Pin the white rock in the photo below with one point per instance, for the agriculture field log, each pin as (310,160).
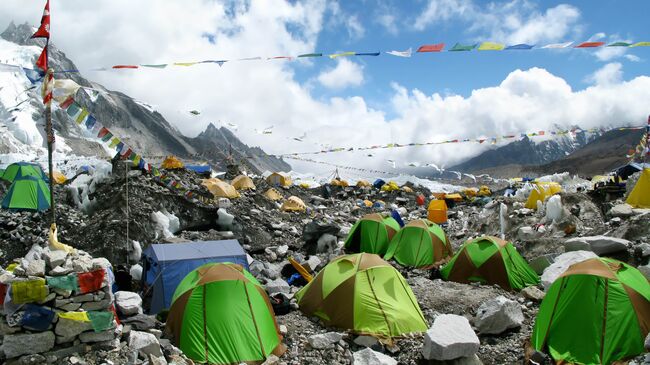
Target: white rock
(600,245)
(136,272)
(561,263)
(324,340)
(326,243)
(526,232)
(533,293)
(621,210)
(497,315)
(144,342)
(27,344)
(554,210)
(369,357)
(128,303)
(282,250)
(313,262)
(278,286)
(54,258)
(449,338)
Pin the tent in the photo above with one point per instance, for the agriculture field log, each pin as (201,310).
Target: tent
(490,260)
(607,301)
(421,243)
(22,169)
(243,182)
(273,195)
(171,163)
(541,191)
(364,294)
(407,189)
(293,204)
(200,169)
(59,178)
(627,170)
(220,189)
(640,196)
(455,197)
(363,183)
(371,234)
(470,192)
(164,265)
(27,193)
(378,183)
(220,314)
(437,211)
(339,182)
(279,179)
(484,191)
(391,186)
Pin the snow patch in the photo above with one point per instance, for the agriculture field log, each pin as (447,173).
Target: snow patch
(166,224)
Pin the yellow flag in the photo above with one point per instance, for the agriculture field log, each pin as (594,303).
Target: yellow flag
(82,116)
(75,316)
(185,63)
(491,46)
(28,291)
(641,44)
(344,54)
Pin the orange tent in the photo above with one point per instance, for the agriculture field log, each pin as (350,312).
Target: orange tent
(437,211)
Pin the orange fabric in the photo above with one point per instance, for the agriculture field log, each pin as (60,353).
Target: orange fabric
(90,281)
(437,211)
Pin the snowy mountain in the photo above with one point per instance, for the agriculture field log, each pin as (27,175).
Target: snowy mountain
(135,122)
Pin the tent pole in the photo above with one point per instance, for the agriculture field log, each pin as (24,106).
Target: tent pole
(50,142)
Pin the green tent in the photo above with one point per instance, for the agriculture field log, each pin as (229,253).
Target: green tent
(490,260)
(220,314)
(27,193)
(22,169)
(371,234)
(364,294)
(421,243)
(596,312)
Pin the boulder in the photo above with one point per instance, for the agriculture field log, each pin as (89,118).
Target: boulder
(128,303)
(141,322)
(497,315)
(600,245)
(449,338)
(540,263)
(366,341)
(326,243)
(324,340)
(562,263)
(144,342)
(35,268)
(369,357)
(278,286)
(54,258)
(70,328)
(27,344)
(621,210)
(533,293)
(97,336)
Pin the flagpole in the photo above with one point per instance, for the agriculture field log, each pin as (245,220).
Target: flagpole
(50,142)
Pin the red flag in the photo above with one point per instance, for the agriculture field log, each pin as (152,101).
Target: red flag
(90,281)
(125,66)
(432,47)
(44,30)
(66,103)
(42,60)
(590,44)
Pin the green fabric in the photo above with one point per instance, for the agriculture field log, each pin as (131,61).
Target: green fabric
(481,250)
(23,169)
(413,246)
(311,55)
(619,44)
(371,236)
(459,47)
(587,302)
(101,321)
(520,274)
(27,193)
(68,282)
(337,272)
(191,280)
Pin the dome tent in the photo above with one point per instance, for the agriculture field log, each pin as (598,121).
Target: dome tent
(272,195)
(607,300)
(490,260)
(364,294)
(421,243)
(27,193)
(279,179)
(220,189)
(220,314)
(243,182)
(23,169)
(372,233)
(172,163)
(293,204)
(640,196)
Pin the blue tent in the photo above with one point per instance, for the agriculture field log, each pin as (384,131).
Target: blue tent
(165,265)
(201,169)
(379,183)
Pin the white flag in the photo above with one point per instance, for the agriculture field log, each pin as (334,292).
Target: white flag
(558,45)
(406,53)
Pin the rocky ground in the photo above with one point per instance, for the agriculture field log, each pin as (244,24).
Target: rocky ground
(270,236)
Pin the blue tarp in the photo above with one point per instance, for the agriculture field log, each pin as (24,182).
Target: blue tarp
(397,217)
(165,265)
(379,183)
(201,169)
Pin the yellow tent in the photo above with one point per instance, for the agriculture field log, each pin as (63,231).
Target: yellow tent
(484,191)
(273,195)
(338,182)
(640,195)
(367,203)
(293,204)
(171,162)
(455,197)
(243,182)
(279,179)
(59,178)
(304,185)
(363,183)
(437,211)
(220,189)
(541,191)
(391,186)
(407,189)
(470,192)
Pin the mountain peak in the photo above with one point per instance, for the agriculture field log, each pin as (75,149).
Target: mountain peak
(20,34)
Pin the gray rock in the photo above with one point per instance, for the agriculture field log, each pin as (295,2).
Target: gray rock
(141,322)
(366,341)
(27,344)
(369,357)
(88,297)
(540,263)
(326,243)
(313,262)
(324,340)
(562,263)
(82,263)
(96,306)
(278,286)
(533,293)
(621,210)
(645,269)
(70,328)
(69,306)
(526,233)
(449,338)
(600,245)
(497,315)
(54,258)
(469,360)
(97,336)
(144,342)
(35,268)
(128,303)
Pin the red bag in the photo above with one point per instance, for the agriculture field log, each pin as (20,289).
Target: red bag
(419,200)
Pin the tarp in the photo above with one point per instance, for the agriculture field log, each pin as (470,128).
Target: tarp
(171,163)
(243,182)
(293,204)
(640,196)
(27,193)
(23,169)
(164,265)
(201,169)
(59,178)
(279,179)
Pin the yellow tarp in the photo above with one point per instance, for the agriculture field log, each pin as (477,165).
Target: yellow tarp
(293,204)
(243,182)
(337,182)
(541,191)
(220,189)
(171,162)
(279,179)
(29,291)
(484,191)
(407,189)
(363,183)
(272,194)
(391,186)
(640,195)
(455,197)
(59,178)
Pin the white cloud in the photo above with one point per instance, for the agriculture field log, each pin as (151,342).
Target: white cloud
(512,22)
(632,58)
(611,73)
(346,73)
(388,21)
(352,24)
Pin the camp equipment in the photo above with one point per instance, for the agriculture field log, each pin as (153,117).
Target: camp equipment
(437,211)
(59,178)
(596,312)
(541,191)
(378,183)
(272,194)
(363,183)
(364,294)
(164,265)
(421,243)
(172,163)
(391,186)
(372,233)
(490,260)
(279,179)
(339,182)
(220,314)
(220,189)
(293,204)
(243,182)
(22,169)
(27,193)
(640,196)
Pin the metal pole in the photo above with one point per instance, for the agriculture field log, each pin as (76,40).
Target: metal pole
(50,142)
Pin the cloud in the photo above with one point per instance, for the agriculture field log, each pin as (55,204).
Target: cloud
(346,73)
(512,22)
(632,58)
(352,24)
(611,73)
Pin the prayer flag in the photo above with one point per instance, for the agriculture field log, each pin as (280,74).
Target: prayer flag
(82,116)
(44,30)
(68,282)
(280,58)
(124,66)
(90,122)
(162,65)
(367,54)
(75,316)
(431,48)
(460,48)
(522,46)
(91,281)
(114,142)
(344,54)
(102,132)
(491,46)
(590,44)
(41,62)
(641,44)
(619,44)
(34,76)
(73,110)
(558,45)
(101,320)
(66,103)
(36,318)
(185,63)
(311,55)
(28,291)
(107,137)
(406,53)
